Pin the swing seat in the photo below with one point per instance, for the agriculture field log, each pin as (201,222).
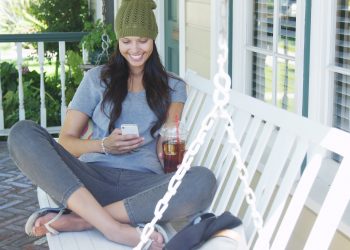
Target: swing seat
(287,157)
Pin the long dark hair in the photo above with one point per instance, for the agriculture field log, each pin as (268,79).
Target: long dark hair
(115,76)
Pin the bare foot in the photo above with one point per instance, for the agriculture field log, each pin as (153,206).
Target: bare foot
(157,241)
(67,222)
(128,235)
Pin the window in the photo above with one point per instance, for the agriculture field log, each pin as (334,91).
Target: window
(341,109)
(272,49)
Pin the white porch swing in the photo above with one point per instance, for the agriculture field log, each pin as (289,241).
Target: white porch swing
(256,151)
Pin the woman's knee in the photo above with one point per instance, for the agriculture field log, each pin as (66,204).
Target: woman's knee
(18,130)
(21,134)
(203,184)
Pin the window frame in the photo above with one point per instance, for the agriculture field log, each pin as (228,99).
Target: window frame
(323,18)
(241,60)
(322,70)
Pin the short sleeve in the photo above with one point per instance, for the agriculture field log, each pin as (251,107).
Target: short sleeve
(89,92)
(178,93)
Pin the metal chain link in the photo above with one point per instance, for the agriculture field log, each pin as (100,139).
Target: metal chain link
(221,98)
(106,41)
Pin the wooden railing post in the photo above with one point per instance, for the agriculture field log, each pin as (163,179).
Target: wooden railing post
(42,85)
(20,81)
(62,53)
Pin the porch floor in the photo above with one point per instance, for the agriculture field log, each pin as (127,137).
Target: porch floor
(18,200)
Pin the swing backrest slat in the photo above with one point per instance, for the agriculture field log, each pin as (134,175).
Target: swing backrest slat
(256,156)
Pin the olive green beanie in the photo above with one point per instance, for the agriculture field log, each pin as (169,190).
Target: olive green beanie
(136,18)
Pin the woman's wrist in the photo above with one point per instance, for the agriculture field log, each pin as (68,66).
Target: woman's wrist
(103,146)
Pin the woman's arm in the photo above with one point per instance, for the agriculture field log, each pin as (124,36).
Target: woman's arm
(72,128)
(115,143)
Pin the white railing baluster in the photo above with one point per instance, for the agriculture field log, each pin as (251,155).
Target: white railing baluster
(42,85)
(20,82)
(1,108)
(85,55)
(62,54)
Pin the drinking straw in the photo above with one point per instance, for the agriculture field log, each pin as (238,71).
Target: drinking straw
(177,128)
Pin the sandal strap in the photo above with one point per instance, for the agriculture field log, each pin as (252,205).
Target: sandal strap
(47,224)
(161,230)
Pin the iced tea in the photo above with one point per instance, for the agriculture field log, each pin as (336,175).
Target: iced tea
(174,151)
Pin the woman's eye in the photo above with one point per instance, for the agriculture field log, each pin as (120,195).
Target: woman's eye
(143,40)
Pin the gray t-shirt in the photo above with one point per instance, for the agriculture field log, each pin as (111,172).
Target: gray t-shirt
(88,99)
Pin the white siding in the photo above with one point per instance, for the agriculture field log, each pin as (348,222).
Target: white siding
(198,36)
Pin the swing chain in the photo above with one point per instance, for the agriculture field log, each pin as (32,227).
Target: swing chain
(106,41)
(222,84)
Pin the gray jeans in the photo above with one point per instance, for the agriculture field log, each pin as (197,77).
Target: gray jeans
(48,165)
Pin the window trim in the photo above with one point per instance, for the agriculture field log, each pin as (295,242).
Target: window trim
(241,72)
(323,18)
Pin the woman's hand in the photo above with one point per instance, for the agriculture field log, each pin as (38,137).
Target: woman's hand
(116,143)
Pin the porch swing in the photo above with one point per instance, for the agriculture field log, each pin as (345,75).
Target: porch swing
(256,151)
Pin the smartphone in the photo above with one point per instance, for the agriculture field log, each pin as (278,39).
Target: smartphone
(130,129)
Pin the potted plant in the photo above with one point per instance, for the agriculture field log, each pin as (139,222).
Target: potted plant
(92,42)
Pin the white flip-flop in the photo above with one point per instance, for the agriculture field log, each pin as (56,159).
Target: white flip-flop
(42,212)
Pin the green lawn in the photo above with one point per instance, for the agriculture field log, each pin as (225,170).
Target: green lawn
(282,80)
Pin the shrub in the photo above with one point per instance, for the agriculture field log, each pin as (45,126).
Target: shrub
(31,91)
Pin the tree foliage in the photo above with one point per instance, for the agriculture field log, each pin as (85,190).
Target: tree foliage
(61,15)
(15,17)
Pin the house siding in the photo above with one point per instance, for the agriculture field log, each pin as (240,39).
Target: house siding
(198,36)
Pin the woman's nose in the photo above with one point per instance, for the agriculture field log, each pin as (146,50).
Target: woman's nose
(134,46)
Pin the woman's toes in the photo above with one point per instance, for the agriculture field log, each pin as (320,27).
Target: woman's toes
(157,241)
(39,229)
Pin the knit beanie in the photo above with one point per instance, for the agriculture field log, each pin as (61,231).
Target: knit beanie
(136,18)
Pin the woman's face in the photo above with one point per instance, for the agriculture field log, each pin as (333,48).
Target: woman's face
(136,50)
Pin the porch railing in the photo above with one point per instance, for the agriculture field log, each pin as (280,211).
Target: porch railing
(41,38)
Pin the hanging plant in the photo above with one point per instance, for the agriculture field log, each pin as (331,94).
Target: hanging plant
(93,40)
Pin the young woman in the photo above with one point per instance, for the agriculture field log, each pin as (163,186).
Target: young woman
(112,182)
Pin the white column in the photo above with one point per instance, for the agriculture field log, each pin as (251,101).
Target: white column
(62,53)
(98,10)
(42,85)
(160,41)
(182,38)
(20,82)
(1,108)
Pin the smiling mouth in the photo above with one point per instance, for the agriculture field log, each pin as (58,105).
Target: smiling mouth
(136,57)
